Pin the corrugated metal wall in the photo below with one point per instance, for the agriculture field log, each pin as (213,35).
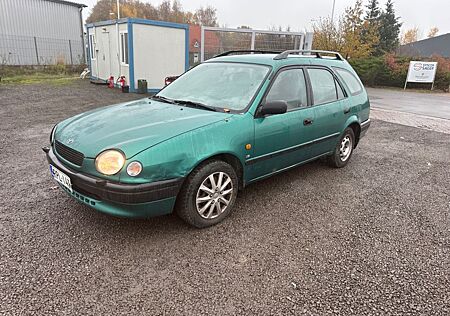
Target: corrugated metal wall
(39,32)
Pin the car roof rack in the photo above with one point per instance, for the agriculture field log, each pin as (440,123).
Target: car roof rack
(318,54)
(227,53)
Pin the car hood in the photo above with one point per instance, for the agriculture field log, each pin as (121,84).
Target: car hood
(131,127)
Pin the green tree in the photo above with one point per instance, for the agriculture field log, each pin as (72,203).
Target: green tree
(373,10)
(389,30)
(372,25)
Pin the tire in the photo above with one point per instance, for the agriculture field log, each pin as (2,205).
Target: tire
(344,149)
(206,207)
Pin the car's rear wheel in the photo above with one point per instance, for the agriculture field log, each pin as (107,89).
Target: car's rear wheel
(344,149)
(208,195)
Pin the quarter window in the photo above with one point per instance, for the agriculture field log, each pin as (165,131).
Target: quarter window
(324,86)
(350,80)
(124,48)
(289,86)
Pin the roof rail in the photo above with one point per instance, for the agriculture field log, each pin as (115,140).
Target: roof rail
(318,54)
(247,51)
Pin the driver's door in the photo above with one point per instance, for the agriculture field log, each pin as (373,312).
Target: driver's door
(282,140)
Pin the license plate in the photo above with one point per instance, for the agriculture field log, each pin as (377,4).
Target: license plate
(61,177)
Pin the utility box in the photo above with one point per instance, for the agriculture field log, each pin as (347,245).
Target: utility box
(138,49)
(142,86)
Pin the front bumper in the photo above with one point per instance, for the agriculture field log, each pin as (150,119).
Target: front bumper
(128,200)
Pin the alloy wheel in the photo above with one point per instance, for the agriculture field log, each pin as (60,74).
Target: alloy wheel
(214,195)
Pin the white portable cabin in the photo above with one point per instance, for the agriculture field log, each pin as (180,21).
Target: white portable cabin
(138,49)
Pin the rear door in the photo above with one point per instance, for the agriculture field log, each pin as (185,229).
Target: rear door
(330,109)
(280,139)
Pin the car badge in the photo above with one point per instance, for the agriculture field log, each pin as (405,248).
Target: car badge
(69,141)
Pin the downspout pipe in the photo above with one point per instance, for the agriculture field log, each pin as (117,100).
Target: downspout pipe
(118,39)
(80,9)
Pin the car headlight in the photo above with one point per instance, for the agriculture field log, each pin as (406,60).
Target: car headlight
(110,162)
(52,134)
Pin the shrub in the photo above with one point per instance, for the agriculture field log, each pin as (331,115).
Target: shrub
(390,70)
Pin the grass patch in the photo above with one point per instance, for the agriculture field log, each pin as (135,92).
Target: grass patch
(52,79)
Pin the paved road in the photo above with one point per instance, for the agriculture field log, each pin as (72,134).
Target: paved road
(427,104)
(370,239)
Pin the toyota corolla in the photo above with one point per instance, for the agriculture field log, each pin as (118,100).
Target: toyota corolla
(221,126)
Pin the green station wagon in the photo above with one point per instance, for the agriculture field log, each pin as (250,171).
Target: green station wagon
(231,121)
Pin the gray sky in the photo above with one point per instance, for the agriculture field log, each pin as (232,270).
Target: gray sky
(298,14)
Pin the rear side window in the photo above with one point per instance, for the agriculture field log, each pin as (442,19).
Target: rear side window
(289,86)
(350,80)
(324,87)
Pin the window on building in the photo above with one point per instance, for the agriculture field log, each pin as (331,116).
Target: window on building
(91,46)
(124,48)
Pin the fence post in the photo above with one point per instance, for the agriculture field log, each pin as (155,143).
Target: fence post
(252,45)
(70,51)
(36,49)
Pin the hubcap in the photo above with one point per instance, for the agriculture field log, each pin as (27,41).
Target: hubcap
(346,148)
(214,195)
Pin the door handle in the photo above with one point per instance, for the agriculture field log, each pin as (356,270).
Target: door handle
(307,122)
(347,110)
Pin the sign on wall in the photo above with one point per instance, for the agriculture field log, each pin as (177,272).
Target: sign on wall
(421,72)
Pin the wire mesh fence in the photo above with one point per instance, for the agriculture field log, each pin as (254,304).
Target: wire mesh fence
(216,41)
(29,50)
(277,42)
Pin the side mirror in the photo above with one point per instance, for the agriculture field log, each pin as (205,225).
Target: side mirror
(273,108)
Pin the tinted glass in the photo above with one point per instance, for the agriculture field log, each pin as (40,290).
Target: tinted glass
(289,86)
(222,85)
(350,80)
(323,86)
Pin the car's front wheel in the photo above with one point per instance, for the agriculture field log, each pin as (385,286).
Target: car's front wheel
(208,195)
(344,149)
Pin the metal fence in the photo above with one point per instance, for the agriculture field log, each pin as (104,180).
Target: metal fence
(29,50)
(215,40)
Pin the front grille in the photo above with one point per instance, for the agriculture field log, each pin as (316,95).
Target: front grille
(69,154)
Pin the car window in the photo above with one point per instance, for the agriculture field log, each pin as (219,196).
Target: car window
(222,85)
(323,86)
(289,86)
(350,80)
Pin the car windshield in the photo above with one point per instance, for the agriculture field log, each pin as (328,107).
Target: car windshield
(220,85)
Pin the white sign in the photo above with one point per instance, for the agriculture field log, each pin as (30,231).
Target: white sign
(423,72)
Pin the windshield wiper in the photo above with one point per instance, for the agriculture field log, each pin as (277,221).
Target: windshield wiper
(163,99)
(196,104)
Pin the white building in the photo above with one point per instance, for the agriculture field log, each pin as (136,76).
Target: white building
(138,49)
(41,32)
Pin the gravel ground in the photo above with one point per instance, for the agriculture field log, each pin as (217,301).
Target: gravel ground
(373,238)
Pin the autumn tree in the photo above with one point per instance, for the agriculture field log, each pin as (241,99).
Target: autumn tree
(433,32)
(410,36)
(360,37)
(328,35)
(167,10)
(206,16)
(353,36)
